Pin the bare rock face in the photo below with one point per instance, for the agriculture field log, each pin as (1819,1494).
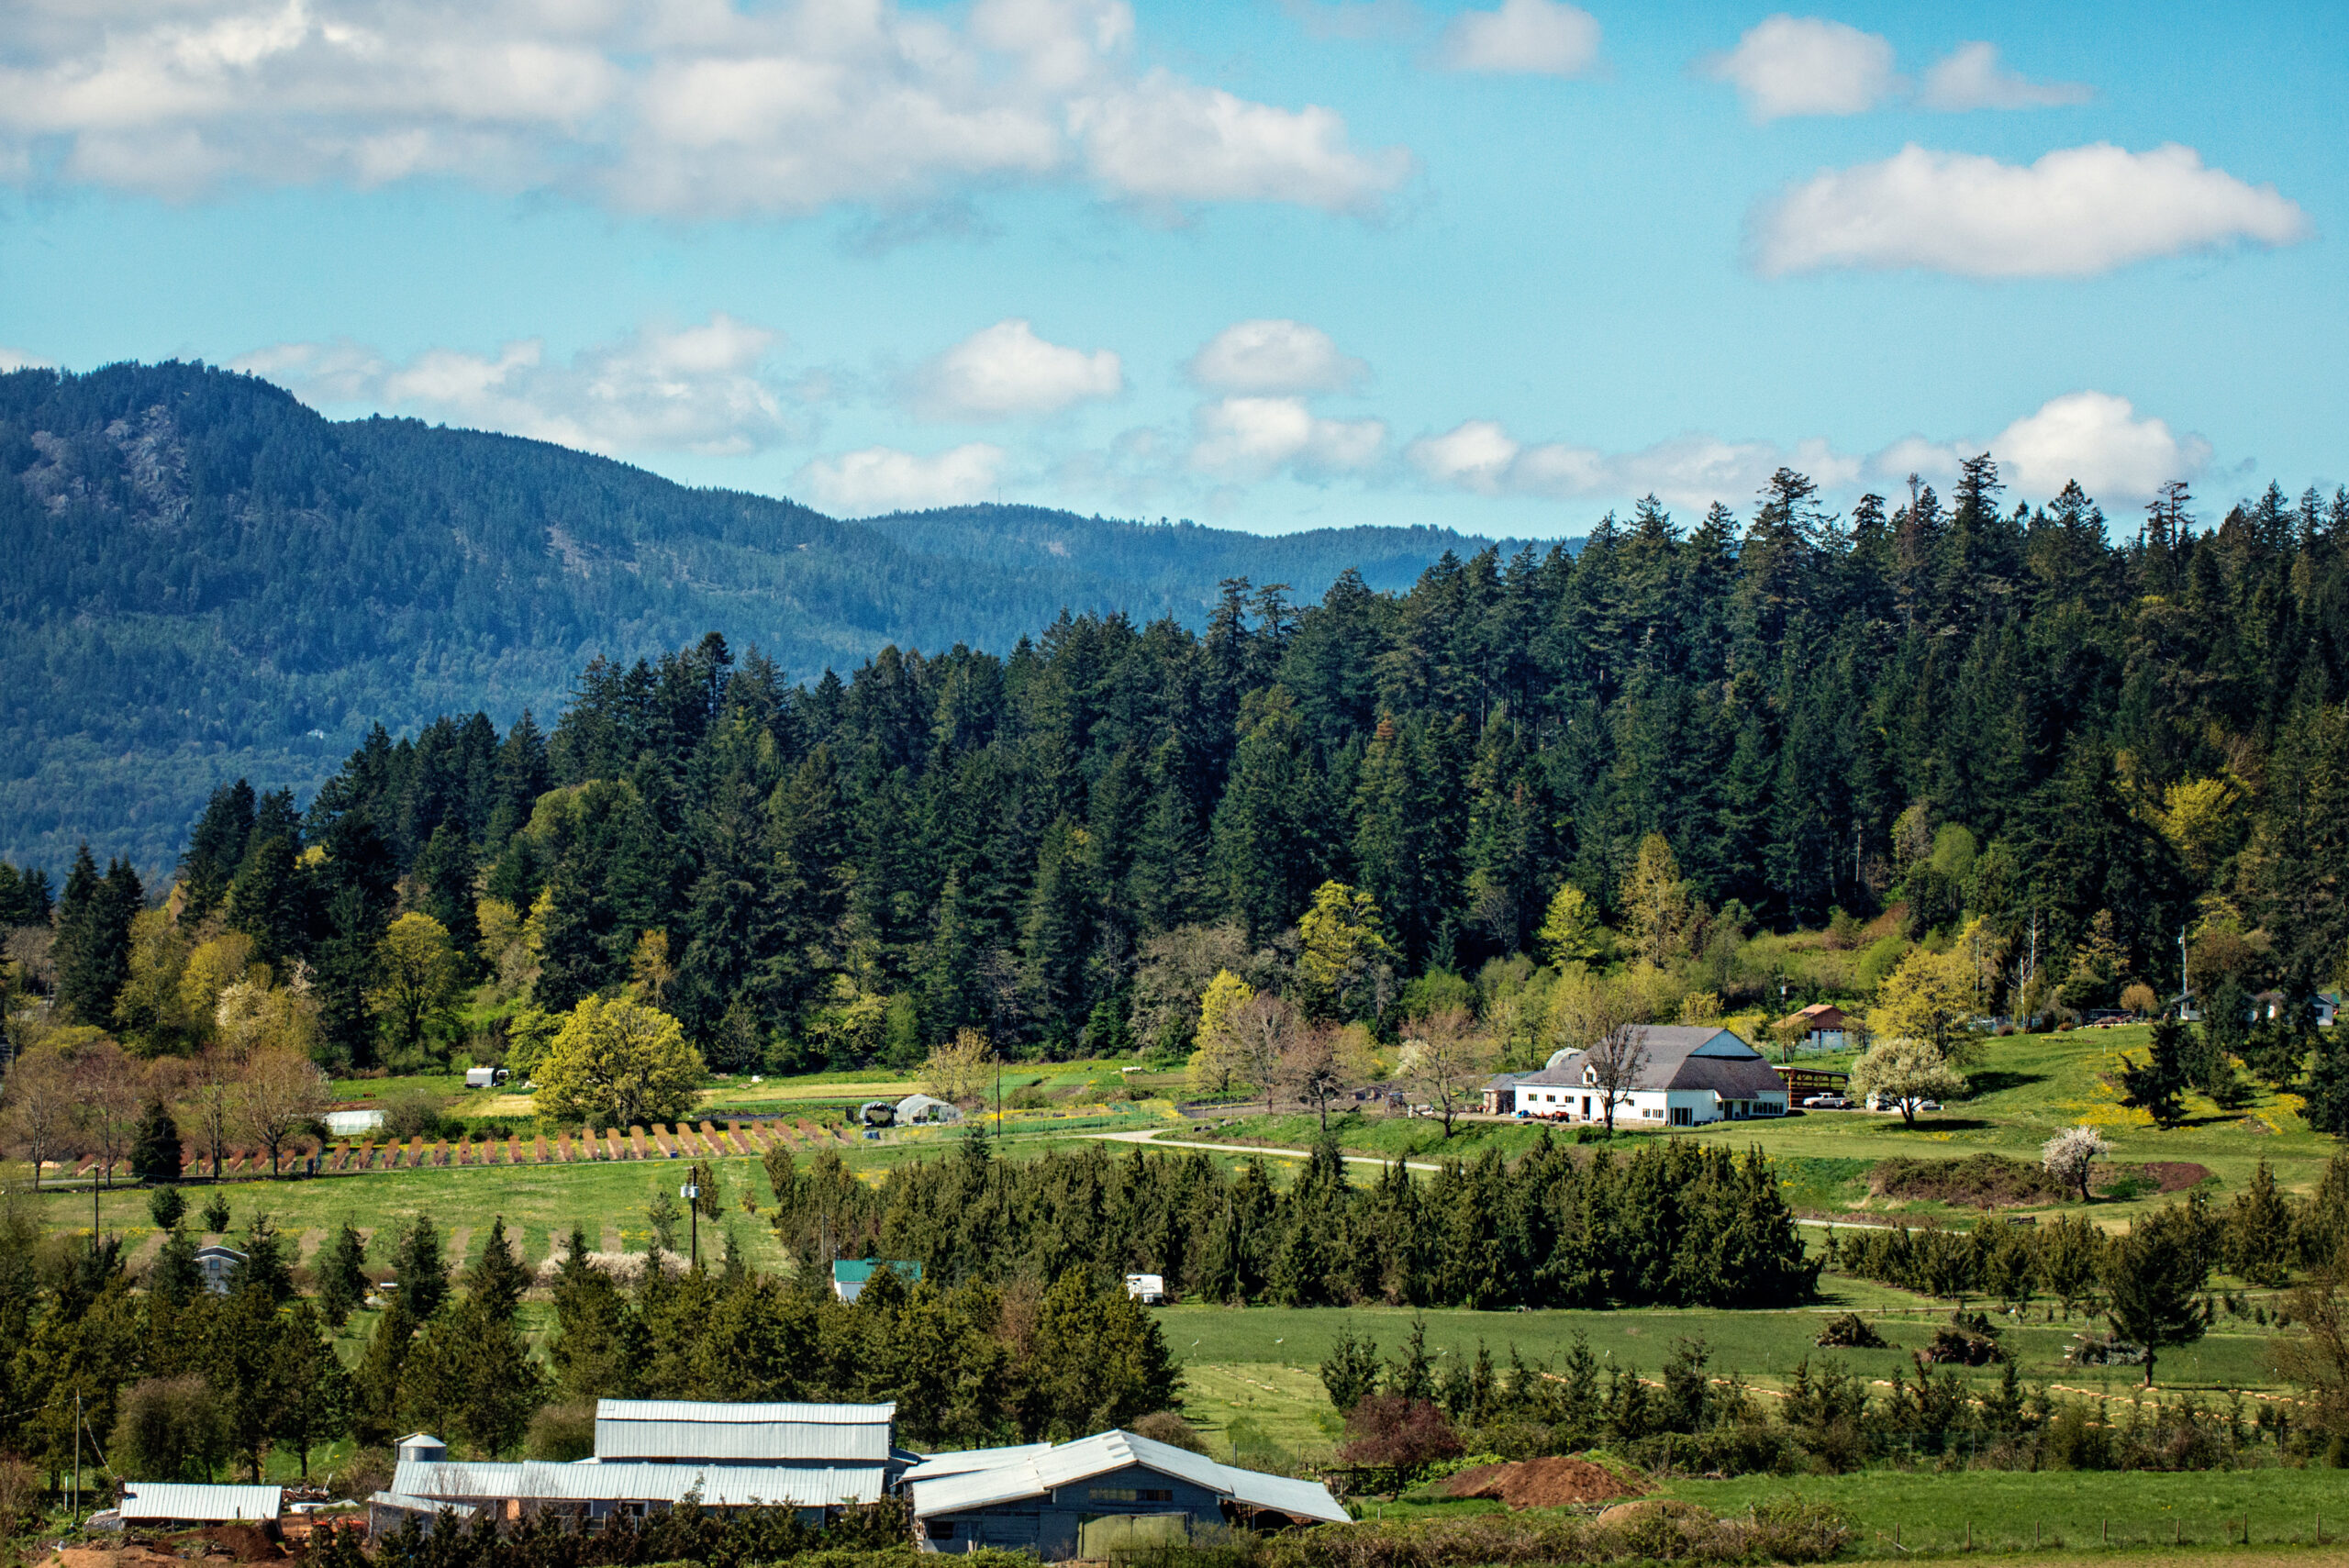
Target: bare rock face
(137,468)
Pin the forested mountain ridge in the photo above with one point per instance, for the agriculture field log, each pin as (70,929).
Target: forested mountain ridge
(2076,750)
(197,574)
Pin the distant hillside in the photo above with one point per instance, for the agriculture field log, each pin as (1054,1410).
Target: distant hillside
(1177,561)
(200,577)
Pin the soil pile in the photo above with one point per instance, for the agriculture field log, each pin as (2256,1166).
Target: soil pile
(1555,1483)
(1979,1181)
(2174,1175)
(243,1543)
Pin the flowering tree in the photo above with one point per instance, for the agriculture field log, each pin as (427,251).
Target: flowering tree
(2068,1155)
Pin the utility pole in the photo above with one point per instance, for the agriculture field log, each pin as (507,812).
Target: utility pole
(77,1457)
(691,1193)
(2182,986)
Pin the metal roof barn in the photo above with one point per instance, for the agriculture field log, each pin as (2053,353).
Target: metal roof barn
(747,1434)
(196,1503)
(1023,1472)
(719,1486)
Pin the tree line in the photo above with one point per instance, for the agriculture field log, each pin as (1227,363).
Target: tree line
(1673,1223)
(1997,718)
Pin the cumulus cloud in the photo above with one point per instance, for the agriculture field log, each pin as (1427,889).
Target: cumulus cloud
(1971,77)
(1275,356)
(1165,141)
(1480,455)
(1007,371)
(17,359)
(1251,437)
(697,389)
(1543,38)
(883,479)
(711,109)
(2100,441)
(1806,65)
(2076,212)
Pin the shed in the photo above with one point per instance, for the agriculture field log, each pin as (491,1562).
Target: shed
(185,1502)
(672,1432)
(850,1274)
(351,1123)
(600,1492)
(219,1265)
(917,1109)
(1500,1094)
(1086,1499)
(387,1511)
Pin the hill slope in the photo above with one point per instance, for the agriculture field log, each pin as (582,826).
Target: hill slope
(200,577)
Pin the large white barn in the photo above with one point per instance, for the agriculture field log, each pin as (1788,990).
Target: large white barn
(1693,1077)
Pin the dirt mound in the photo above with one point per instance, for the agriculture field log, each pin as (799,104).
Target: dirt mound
(1624,1514)
(2174,1175)
(1540,1482)
(128,1556)
(1979,1181)
(245,1543)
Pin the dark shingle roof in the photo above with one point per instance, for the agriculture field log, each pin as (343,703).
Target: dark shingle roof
(1682,1056)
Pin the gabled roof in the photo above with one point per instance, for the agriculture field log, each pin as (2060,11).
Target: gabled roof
(963,1462)
(185,1500)
(719,1486)
(1681,1057)
(1024,1473)
(775,1433)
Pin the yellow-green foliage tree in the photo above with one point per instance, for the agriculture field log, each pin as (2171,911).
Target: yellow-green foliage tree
(416,979)
(1347,967)
(1656,901)
(617,1063)
(1218,1059)
(1570,931)
(1929,998)
(956,1070)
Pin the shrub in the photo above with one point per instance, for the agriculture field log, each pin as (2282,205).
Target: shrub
(1164,1426)
(562,1432)
(1395,1432)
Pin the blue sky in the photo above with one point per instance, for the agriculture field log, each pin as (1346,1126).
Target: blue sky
(1270,265)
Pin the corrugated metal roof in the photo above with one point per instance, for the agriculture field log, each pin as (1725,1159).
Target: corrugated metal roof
(1020,1473)
(720,1485)
(186,1500)
(964,1460)
(716,1411)
(685,1430)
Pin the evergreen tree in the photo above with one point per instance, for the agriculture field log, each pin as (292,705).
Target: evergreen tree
(155,1148)
(342,1275)
(2153,1277)
(496,1279)
(420,1268)
(2154,1087)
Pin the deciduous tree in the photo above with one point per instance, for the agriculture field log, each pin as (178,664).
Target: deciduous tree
(618,1062)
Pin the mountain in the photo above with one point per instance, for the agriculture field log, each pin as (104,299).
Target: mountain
(201,578)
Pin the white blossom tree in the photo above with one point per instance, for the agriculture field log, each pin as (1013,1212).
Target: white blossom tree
(2070,1153)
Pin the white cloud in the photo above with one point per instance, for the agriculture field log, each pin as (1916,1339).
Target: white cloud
(1275,356)
(17,359)
(883,479)
(1806,65)
(2092,436)
(1163,139)
(1007,370)
(1543,38)
(1971,77)
(1250,438)
(709,108)
(693,389)
(2098,440)
(1480,455)
(2076,212)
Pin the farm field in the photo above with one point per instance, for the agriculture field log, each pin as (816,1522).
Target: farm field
(2028,1087)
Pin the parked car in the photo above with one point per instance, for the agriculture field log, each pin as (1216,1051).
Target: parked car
(1826,1103)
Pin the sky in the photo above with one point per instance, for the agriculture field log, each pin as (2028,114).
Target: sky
(1269,264)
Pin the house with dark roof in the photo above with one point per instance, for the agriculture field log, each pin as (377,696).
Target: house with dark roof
(1824,1026)
(1693,1077)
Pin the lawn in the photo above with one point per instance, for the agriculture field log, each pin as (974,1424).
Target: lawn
(2028,1087)
(1931,1509)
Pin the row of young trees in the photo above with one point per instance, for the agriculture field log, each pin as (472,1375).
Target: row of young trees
(1674,1223)
(2087,744)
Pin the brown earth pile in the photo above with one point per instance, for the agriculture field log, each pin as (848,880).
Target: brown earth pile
(1554,1483)
(128,1556)
(2174,1175)
(1975,1182)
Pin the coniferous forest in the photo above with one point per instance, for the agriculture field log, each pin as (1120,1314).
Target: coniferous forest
(2100,737)
(201,578)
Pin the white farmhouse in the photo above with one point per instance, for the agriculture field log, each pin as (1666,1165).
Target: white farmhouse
(1693,1077)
